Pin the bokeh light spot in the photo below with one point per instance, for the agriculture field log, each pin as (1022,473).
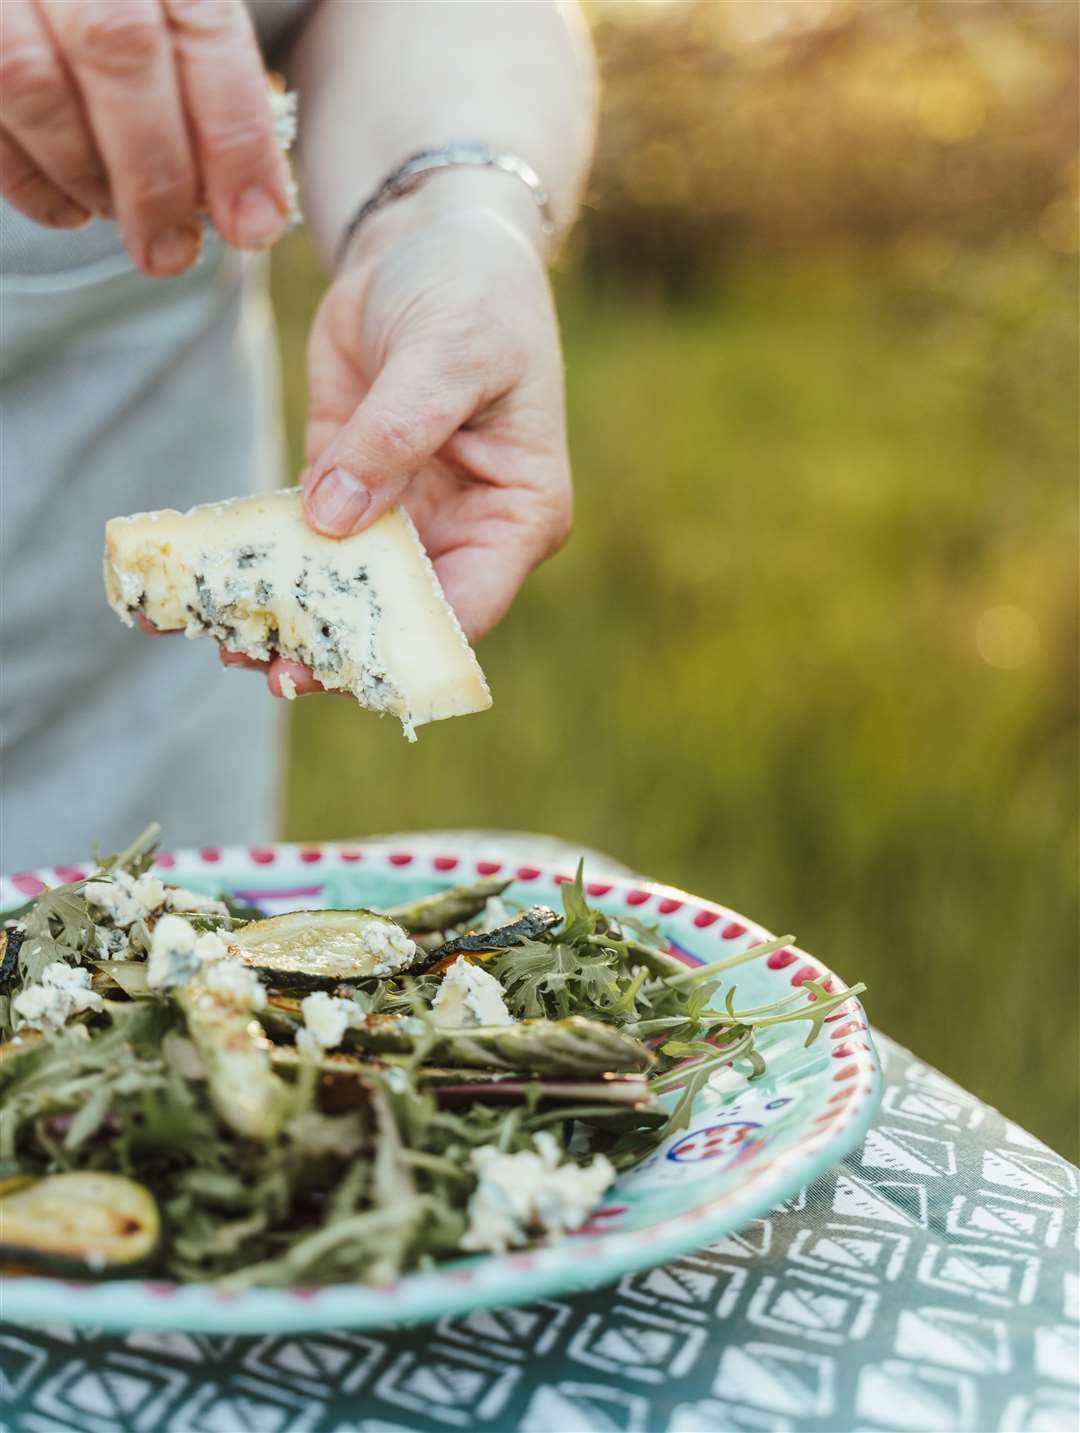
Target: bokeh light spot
(951,107)
(1006,637)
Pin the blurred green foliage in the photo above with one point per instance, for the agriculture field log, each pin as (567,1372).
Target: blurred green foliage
(812,650)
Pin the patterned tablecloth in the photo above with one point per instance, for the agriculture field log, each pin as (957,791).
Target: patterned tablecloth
(929,1282)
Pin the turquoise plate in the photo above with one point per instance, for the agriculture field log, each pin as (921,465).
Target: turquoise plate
(748,1147)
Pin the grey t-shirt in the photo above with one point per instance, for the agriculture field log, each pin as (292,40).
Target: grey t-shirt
(118,394)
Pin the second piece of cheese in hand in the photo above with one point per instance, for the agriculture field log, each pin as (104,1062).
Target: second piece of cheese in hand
(365,613)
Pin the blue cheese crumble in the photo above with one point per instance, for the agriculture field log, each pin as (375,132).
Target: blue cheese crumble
(230,978)
(326,1019)
(178,952)
(118,901)
(63,991)
(520,1196)
(468,995)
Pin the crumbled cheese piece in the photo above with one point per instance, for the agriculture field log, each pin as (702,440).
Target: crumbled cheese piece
(468,995)
(179,899)
(287,687)
(109,943)
(495,914)
(123,899)
(283,116)
(178,952)
(389,944)
(237,981)
(326,1018)
(520,1196)
(64,991)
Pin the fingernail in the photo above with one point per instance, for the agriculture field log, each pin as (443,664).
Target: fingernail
(67,215)
(258,219)
(338,502)
(174,250)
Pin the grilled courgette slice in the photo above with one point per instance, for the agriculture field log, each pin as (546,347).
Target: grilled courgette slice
(317,950)
(81,1223)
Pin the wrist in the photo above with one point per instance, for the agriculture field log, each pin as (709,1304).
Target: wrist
(443,195)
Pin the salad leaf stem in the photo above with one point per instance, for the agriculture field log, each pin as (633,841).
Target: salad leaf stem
(690,975)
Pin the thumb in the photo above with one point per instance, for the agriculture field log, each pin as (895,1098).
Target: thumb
(410,411)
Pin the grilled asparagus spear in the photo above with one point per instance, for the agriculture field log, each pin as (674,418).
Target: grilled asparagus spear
(246,1093)
(575,1046)
(448,908)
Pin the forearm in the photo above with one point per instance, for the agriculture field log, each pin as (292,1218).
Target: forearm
(379,81)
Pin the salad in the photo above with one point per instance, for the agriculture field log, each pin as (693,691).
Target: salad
(193,1090)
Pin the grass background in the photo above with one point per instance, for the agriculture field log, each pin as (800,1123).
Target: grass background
(811,650)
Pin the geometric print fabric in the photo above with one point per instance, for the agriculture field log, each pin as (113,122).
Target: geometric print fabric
(930,1281)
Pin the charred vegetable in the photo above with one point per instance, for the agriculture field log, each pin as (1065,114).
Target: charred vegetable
(83,1223)
(243,1087)
(11,938)
(530,925)
(346,1082)
(317,950)
(575,1046)
(446,909)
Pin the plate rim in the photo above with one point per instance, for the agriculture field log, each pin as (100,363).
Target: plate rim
(484,1281)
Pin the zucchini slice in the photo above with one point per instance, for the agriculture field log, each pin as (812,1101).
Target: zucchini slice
(102,1224)
(316,950)
(446,909)
(531,924)
(242,1085)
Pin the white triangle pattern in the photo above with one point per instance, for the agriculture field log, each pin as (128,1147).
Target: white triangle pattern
(928,1282)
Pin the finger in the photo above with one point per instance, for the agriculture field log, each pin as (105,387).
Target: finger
(41,110)
(506,534)
(120,54)
(292,679)
(152,631)
(239,659)
(411,409)
(481,582)
(25,188)
(243,172)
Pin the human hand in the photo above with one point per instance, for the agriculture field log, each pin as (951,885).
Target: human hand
(435,380)
(146,111)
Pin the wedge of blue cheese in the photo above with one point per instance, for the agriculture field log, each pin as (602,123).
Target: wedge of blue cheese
(365,613)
